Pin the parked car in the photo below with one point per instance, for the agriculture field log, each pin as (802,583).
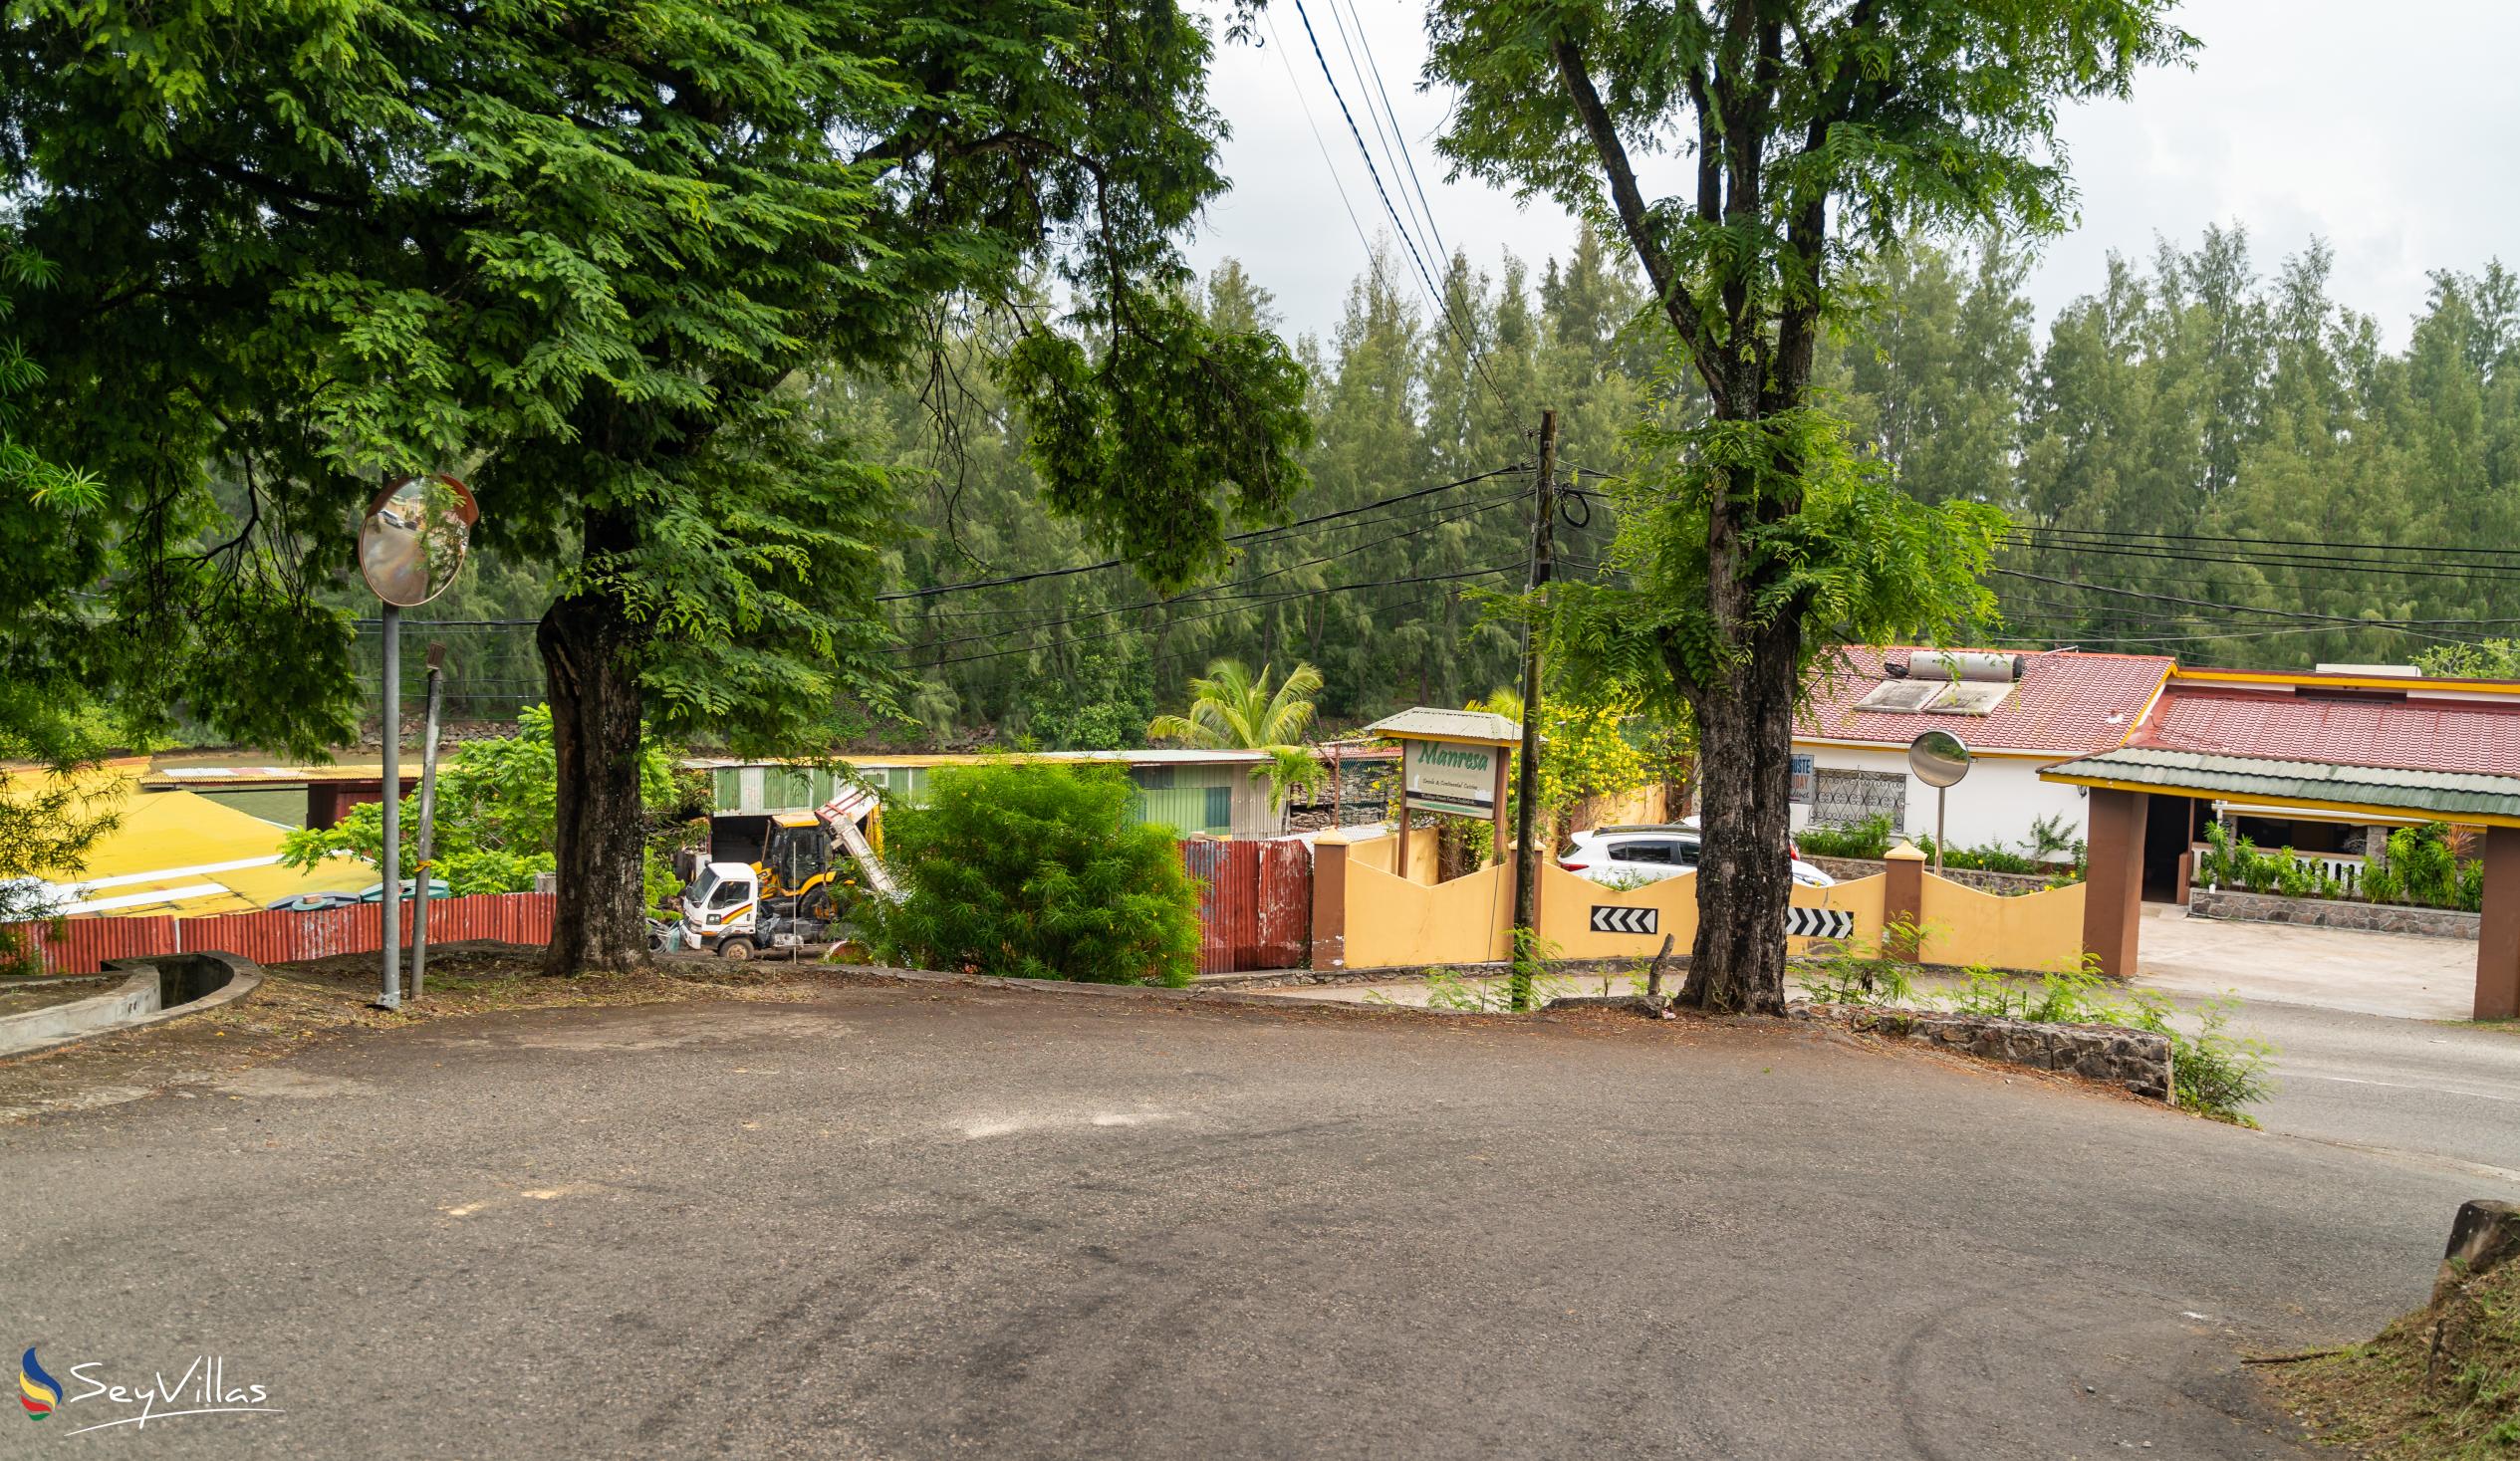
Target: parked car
(1652,851)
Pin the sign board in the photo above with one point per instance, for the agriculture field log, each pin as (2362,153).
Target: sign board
(1802,793)
(1623,918)
(1450,776)
(1819,923)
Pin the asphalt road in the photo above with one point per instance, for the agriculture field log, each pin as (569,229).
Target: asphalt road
(911,1222)
(2449,1092)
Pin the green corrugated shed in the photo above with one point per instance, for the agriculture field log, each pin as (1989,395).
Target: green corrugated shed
(2450,795)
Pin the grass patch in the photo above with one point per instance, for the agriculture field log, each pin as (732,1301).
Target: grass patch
(2441,1385)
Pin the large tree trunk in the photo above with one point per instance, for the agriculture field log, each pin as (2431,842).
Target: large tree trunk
(1744,882)
(591,658)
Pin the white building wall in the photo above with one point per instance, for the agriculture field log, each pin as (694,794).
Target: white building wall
(1996,803)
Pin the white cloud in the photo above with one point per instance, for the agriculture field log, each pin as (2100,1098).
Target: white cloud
(2388,131)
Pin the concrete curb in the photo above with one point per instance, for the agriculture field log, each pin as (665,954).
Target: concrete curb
(138,1002)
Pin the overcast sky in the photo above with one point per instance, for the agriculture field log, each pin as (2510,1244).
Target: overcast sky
(2391,129)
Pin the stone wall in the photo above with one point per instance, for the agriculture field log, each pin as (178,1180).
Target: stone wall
(2002,884)
(2205,902)
(2138,1061)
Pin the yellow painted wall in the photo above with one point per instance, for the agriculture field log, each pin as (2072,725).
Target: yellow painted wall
(1862,898)
(2041,931)
(1392,922)
(1566,915)
(1376,851)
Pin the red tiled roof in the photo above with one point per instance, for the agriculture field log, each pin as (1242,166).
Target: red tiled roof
(2479,735)
(2065,702)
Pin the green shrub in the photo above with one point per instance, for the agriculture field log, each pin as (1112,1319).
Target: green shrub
(1870,838)
(2213,1072)
(1041,873)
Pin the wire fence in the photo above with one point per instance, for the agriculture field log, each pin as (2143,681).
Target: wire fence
(493,668)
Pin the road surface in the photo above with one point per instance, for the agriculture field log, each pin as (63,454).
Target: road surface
(921,1222)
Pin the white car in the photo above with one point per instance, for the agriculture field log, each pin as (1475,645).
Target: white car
(1653,851)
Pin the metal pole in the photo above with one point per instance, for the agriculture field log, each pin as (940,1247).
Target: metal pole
(1527,775)
(427,843)
(391,905)
(1941,795)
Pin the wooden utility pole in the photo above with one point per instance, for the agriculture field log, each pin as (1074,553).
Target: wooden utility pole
(1527,775)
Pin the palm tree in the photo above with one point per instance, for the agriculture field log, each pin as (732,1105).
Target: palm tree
(1233,709)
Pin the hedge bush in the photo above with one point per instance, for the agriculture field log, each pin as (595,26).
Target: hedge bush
(1040,873)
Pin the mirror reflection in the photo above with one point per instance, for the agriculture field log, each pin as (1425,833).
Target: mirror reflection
(413,543)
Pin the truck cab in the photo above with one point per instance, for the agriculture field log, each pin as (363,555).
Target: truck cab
(724,904)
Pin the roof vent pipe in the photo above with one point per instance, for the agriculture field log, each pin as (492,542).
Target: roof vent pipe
(1965,665)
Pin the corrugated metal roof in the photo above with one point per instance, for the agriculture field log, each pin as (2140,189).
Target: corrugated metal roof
(2067,701)
(1428,722)
(2420,733)
(2448,793)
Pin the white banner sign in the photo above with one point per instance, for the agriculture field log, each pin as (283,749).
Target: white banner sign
(1449,775)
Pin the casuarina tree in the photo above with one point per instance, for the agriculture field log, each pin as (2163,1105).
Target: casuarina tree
(583,253)
(1800,136)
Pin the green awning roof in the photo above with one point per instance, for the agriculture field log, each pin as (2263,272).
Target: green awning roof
(2453,796)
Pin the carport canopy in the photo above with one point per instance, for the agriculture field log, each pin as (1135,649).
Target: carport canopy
(2122,781)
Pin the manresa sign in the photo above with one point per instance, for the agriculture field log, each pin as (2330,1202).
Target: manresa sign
(1450,776)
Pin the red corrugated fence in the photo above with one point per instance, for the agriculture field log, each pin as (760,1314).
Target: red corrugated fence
(1256,912)
(82,945)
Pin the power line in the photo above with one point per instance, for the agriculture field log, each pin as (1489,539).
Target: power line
(1436,299)
(1319,140)
(1211,595)
(2498,572)
(2262,612)
(1394,147)
(1194,619)
(1407,240)
(2130,535)
(1256,534)
(1446,512)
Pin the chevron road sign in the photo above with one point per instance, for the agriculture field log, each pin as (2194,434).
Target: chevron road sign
(1621,918)
(1817,922)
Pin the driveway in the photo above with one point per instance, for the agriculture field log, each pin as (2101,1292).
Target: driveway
(2396,974)
(913,1222)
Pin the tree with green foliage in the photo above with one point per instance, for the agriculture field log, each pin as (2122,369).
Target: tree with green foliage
(496,819)
(1036,871)
(2487,659)
(1819,130)
(591,257)
(1233,709)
